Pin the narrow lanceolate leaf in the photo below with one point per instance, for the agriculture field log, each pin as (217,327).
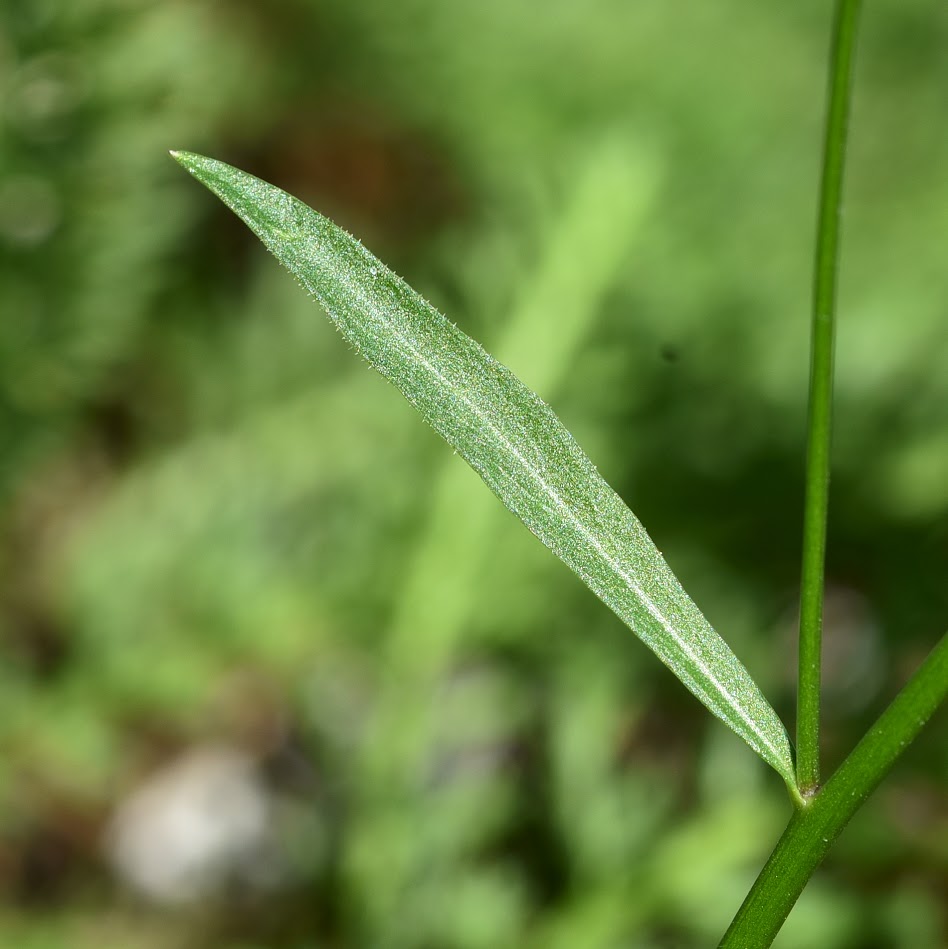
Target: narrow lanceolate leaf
(511,438)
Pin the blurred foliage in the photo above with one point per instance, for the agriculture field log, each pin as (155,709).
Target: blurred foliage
(220,529)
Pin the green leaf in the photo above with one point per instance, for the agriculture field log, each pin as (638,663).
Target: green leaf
(511,438)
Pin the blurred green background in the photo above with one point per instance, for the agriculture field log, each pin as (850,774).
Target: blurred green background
(275,669)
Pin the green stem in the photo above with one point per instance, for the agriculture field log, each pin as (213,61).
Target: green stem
(813,829)
(819,422)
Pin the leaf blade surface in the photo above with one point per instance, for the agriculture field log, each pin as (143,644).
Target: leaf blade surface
(511,438)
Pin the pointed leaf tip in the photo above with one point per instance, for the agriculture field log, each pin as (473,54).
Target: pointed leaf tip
(512,439)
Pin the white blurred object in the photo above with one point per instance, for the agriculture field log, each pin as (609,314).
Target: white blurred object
(199,823)
(854,652)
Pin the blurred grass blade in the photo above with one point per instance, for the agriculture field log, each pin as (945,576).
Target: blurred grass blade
(511,438)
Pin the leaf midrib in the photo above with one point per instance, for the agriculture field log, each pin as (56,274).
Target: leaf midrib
(730,700)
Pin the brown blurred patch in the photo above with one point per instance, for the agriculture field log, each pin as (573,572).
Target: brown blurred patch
(370,174)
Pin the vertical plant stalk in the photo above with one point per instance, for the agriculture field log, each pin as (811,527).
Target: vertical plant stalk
(812,829)
(819,421)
